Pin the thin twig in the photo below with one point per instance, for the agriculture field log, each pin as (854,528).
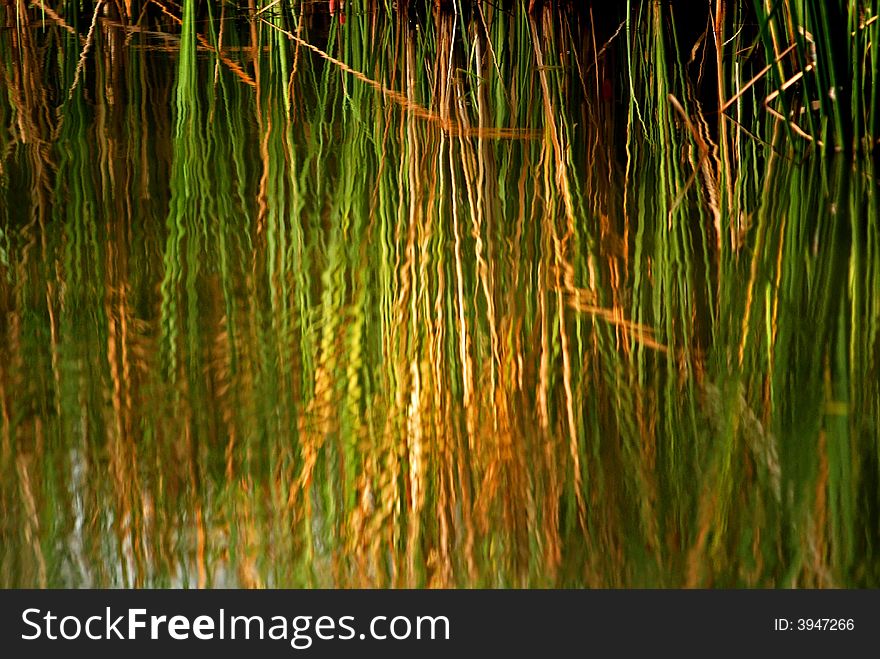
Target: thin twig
(267,7)
(85,50)
(757,77)
(57,18)
(411,106)
(232,66)
(701,166)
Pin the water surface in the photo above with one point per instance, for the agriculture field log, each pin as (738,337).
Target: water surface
(438,305)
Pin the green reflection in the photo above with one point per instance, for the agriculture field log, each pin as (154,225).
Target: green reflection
(451,314)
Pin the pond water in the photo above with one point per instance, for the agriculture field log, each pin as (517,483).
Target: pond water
(444,303)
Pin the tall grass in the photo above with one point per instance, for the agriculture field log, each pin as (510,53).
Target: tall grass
(488,298)
(833,63)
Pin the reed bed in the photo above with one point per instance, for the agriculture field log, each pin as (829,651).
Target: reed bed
(439,295)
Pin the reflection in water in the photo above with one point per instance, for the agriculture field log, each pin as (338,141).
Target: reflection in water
(441,316)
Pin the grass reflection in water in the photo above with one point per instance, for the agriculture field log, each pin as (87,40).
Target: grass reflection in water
(478,300)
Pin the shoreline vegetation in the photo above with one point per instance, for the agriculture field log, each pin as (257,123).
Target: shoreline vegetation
(439,294)
(809,66)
